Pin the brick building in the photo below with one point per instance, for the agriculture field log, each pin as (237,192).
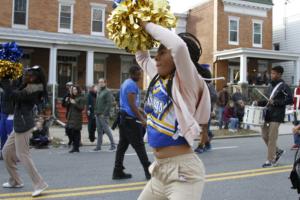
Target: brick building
(236,37)
(67,38)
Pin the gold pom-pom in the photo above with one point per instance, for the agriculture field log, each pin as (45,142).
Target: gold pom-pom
(123,23)
(10,70)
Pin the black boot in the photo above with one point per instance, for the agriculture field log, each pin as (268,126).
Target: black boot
(147,174)
(74,151)
(146,170)
(120,174)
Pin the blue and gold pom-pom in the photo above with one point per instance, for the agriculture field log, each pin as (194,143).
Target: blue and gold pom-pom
(10,56)
(123,23)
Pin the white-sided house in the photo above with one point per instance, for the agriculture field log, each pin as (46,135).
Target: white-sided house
(286,31)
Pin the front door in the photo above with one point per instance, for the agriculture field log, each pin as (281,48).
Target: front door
(65,72)
(234,74)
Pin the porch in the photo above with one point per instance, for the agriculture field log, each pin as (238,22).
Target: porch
(240,65)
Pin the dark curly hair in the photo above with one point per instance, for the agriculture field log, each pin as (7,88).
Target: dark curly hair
(39,78)
(193,45)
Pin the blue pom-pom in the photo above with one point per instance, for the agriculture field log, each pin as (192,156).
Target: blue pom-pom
(117,2)
(11,52)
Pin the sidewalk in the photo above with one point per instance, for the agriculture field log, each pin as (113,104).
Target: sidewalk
(284,129)
(59,132)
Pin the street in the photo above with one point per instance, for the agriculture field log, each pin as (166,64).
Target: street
(233,171)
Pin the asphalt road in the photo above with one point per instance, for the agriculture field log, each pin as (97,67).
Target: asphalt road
(233,170)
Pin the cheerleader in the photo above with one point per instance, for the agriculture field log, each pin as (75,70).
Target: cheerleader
(177,101)
(31,93)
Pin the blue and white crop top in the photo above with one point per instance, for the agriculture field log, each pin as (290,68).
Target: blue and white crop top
(162,126)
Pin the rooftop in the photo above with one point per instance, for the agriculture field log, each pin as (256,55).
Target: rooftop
(268,2)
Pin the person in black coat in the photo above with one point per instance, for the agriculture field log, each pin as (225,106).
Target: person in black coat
(75,103)
(279,95)
(66,105)
(91,100)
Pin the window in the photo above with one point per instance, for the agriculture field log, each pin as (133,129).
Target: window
(233,30)
(99,66)
(126,63)
(257,33)
(66,8)
(20,16)
(97,19)
(99,70)
(276,46)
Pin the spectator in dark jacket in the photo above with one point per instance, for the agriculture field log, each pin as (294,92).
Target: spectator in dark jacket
(206,134)
(74,119)
(279,95)
(31,93)
(66,105)
(103,107)
(240,111)
(230,117)
(223,98)
(237,95)
(91,101)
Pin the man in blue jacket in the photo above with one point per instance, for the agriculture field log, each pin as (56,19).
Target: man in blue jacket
(131,125)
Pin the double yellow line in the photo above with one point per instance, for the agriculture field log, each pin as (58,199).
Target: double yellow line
(104,189)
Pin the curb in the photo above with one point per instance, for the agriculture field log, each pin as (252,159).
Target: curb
(214,138)
(246,136)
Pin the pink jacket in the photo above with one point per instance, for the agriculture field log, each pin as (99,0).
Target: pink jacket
(189,91)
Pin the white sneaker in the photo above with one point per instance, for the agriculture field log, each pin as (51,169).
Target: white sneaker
(39,191)
(8,185)
(231,130)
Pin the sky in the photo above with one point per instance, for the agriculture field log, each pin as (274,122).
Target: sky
(180,6)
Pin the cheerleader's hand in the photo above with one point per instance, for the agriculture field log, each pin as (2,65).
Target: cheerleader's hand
(72,101)
(254,103)
(271,101)
(296,129)
(143,24)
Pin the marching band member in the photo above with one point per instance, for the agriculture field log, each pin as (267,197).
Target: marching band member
(280,96)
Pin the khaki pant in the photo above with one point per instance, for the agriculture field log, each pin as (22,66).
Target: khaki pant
(270,135)
(176,178)
(17,149)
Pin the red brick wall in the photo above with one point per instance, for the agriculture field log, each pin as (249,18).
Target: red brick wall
(43,15)
(81,69)
(200,23)
(41,57)
(113,71)
(6,13)
(221,69)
